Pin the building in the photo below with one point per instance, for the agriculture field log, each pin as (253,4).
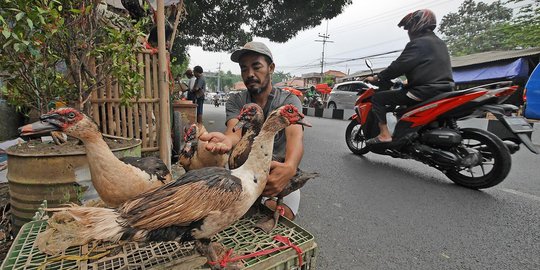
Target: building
(239,86)
(295,82)
(314,78)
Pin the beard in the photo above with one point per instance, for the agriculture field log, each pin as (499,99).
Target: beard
(255,90)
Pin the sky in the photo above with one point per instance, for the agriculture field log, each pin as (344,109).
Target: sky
(364,28)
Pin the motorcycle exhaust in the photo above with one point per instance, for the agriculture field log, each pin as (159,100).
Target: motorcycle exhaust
(440,157)
(512,146)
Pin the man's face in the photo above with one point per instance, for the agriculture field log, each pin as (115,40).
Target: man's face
(197,74)
(256,73)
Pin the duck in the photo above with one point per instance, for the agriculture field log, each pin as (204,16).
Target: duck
(194,154)
(252,119)
(115,180)
(196,206)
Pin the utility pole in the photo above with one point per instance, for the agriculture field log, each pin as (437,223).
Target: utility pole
(219,77)
(324,40)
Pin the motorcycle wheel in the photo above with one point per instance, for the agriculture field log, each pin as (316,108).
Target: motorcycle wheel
(494,166)
(355,138)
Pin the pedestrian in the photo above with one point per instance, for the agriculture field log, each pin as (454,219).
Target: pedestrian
(198,91)
(425,62)
(256,66)
(191,84)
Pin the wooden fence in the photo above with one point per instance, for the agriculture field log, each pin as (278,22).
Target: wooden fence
(141,119)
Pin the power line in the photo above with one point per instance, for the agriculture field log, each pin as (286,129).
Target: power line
(324,40)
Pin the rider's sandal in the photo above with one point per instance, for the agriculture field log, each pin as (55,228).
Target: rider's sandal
(376,140)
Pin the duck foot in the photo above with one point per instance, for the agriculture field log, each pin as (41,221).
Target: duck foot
(268,224)
(215,253)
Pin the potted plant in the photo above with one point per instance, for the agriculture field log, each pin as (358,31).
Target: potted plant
(63,50)
(53,51)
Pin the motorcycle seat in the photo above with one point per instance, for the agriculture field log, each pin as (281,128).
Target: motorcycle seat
(403,108)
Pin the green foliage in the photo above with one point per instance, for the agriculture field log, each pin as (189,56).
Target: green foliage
(227,80)
(218,25)
(280,76)
(474,27)
(480,27)
(328,79)
(62,50)
(524,30)
(179,68)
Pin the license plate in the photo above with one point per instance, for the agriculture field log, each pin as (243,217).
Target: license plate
(518,124)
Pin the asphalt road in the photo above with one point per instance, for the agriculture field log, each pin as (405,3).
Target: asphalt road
(376,212)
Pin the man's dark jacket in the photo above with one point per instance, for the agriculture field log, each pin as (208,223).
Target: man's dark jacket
(426,64)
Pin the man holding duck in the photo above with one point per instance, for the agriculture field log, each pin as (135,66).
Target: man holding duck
(257,65)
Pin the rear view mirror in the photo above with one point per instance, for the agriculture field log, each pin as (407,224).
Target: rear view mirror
(369,65)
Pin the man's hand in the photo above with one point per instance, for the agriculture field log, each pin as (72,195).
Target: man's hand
(218,143)
(279,177)
(372,79)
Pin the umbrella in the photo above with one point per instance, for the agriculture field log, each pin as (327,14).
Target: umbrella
(323,88)
(296,92)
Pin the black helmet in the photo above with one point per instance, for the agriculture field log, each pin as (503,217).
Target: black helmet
(419,21)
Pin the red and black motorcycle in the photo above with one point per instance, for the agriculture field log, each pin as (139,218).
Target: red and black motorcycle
(429,132)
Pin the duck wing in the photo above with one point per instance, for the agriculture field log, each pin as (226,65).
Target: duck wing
(153,166)
(240,152)
(188,199)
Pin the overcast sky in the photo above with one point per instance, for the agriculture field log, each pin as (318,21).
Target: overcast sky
(364,28)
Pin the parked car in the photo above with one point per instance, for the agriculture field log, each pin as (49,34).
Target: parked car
(531,95)
(343,95)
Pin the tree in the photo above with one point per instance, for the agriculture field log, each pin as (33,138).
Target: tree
(64,50)
(524,30)
(476,28)
(218,25)
(227,80)
(280,76)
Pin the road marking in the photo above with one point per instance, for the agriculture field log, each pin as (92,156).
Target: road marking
(522,194)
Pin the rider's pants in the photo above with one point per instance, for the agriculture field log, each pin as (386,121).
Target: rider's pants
(391,98)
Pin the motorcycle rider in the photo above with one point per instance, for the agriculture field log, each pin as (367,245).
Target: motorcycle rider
(425,62)
(311,96)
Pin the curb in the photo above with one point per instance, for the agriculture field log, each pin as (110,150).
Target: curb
(339,114)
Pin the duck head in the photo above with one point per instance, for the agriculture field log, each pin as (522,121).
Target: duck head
(284,116)
(190,141)
(68,120)
(251,115)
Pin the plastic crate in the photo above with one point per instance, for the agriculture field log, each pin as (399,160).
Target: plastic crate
(242,236)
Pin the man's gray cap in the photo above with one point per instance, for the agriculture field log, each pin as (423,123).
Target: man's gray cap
(252,46)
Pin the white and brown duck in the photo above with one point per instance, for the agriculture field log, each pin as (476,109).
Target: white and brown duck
(251,120)
(197,205)
(115,180)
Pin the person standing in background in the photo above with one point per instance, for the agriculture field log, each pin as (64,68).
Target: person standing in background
(191,84)
(198,91)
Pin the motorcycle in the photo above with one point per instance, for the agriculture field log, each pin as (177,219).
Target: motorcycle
(314,101)
(428,132)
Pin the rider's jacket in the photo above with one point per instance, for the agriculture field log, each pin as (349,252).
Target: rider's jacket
(426,64)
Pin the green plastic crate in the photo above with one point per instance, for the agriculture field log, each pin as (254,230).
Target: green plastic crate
(242,236)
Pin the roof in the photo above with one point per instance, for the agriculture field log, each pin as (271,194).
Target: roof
(360,74)
(295,82)
(333,73)
(239,86)
(493,56)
